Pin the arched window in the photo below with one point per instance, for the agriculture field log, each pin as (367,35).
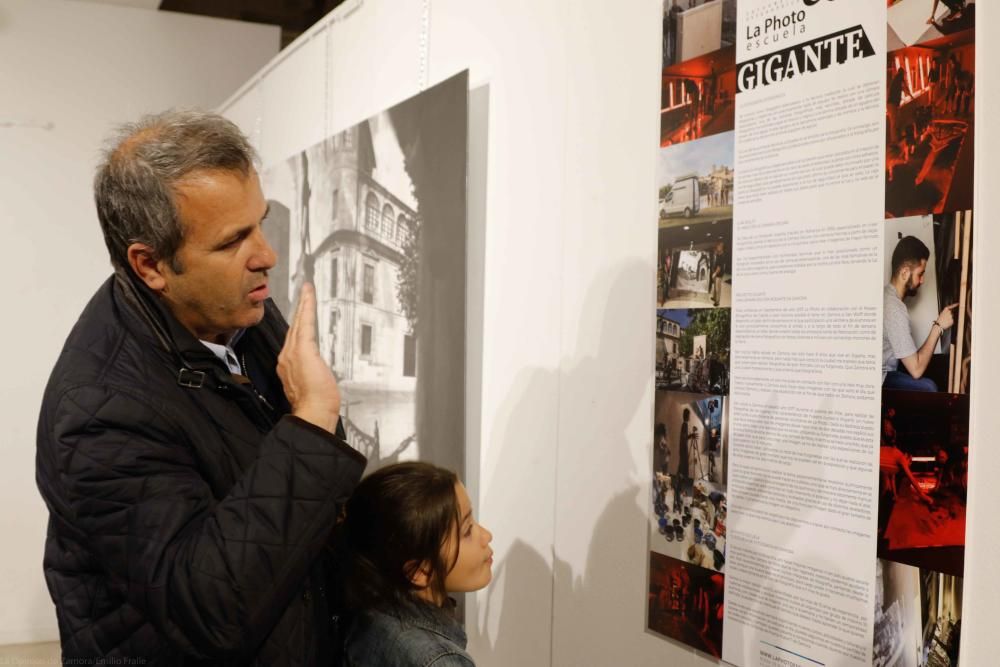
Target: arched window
(402,229)
(371,212)
(388,218)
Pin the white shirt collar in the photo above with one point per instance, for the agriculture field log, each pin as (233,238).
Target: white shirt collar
(226,353)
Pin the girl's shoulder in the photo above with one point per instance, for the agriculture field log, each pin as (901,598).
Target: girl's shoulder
(407,638)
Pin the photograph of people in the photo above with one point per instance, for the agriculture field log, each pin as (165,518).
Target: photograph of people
(692,28)
(929,120)
(686,603)
(697,97)
(687,520)
(695,269)
(904,363)
(927,303)
(919,21)
(696,431)
(692,350)
(923,479)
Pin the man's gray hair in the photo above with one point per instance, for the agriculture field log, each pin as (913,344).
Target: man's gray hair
(135,183)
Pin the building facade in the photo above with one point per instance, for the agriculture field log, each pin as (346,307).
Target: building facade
(357,236)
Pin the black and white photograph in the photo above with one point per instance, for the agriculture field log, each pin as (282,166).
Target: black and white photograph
(927,303)
(918,617)
(917,21)
(375,217)
(694,268)
(692,350)
(695,27)
(930,123)
(694,181)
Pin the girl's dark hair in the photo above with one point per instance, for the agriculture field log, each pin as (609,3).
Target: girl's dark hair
(398,518)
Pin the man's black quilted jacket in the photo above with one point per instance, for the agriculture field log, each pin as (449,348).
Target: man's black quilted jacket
(187,523)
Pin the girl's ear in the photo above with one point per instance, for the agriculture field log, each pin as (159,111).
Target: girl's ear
(419,574)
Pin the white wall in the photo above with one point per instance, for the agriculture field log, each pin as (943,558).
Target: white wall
(81,67)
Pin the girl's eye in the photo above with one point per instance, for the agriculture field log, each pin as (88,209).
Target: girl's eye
(468,531)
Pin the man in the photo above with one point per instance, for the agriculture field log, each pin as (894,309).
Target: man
(955,9)
(661,451)
(909,264)
(898,85)
(192,473)
(891,462)
(717,269)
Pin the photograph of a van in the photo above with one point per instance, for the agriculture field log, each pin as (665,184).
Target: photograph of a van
(682,197)
(694,181)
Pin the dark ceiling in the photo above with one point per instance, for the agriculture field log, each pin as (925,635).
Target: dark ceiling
(294,16)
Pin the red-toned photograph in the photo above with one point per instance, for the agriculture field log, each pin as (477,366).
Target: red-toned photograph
(929,126)
(923,479)
(697,97)
(686,603)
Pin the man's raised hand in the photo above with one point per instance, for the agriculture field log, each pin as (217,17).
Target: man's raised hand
(309,384)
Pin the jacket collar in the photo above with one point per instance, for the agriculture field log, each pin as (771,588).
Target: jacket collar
(151,319)
(439,620)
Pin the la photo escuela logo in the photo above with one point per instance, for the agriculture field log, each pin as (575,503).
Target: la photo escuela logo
(801,59)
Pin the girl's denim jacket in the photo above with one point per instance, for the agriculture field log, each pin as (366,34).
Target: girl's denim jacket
(410,636)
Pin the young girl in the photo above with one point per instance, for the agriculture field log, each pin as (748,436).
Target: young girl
(408,539)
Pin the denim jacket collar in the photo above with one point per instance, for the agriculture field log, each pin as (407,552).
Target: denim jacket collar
(439,620)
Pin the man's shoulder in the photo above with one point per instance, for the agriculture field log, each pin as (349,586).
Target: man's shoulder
(891,301)
(101,349)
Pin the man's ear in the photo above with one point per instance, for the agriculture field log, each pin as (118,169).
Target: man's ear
(143,261)
(419,574)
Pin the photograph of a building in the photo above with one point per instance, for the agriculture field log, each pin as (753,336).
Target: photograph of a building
(376,221)
(692,349)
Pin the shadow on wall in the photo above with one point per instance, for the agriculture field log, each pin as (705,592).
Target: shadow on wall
(594,381)
(562,609)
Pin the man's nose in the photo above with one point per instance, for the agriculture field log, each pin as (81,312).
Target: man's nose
(264,257)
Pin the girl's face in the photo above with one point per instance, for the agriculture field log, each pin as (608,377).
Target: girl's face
(474,567)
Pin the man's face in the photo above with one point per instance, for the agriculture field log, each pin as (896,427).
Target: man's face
(224,257)
(916,278)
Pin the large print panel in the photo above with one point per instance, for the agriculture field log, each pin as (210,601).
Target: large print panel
(375,217)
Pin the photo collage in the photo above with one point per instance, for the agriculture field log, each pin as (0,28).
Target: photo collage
(687,507)
(927,332)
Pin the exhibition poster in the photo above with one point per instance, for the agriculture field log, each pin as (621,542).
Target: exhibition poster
(813,330)
(375,217)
